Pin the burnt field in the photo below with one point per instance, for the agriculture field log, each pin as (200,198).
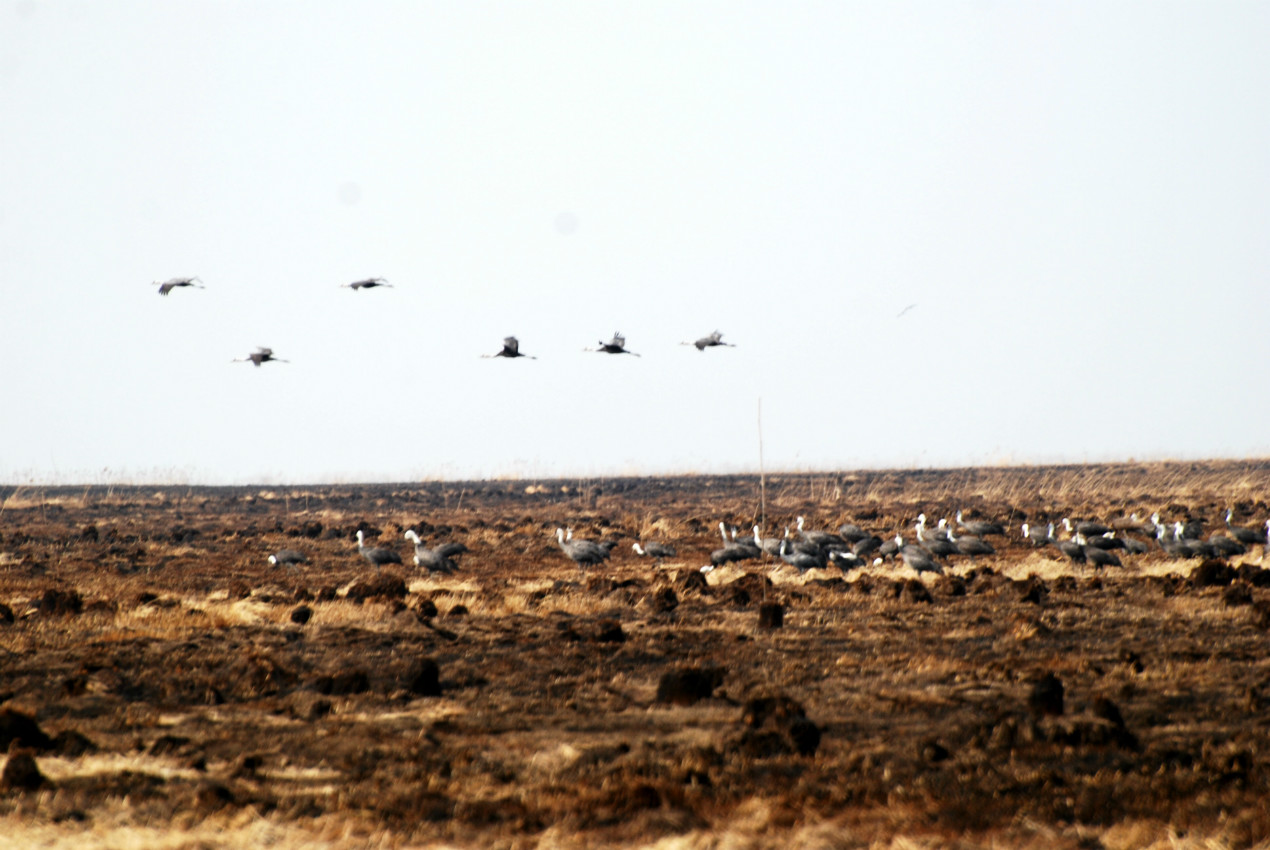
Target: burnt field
(162,684)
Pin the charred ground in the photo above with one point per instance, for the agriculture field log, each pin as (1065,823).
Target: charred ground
(156,673)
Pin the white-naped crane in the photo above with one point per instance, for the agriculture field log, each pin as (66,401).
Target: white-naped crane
(617,345)
(1073,549)
(919,558)
(260,355)
(733,549)
(1038,537)
(172,283)
(970,546)
(852,532)
(801,559)
(940,533)
(378,556)
(288,558)
(1094,555)
(1226,547)
(584,553)
(1106,542)
(511,348)
(1246,536)
(978,527)
(366,283)
(821,538)
(437,559)
(768,545)
(653,549)
(709,341)
(1088,528)
(940,548)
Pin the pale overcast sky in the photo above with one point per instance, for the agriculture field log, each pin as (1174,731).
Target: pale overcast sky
(1075,196)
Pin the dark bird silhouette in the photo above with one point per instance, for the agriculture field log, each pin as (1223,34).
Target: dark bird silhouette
(617,345)
(368,283)
(710,341)
(260,355)
(438,559)
(511,348)
(1072,549)
(172,283)
(919,559)
(377,555)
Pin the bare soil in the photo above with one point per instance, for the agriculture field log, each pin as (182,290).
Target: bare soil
(161,684)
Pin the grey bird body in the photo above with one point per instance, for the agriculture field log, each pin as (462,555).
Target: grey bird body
(260,355)
(655,550)
(709,341)
(584,553)
(288,558)
(378,556)
(511,349)
(176,282)
(367,283)
(980,528)
(617,345)
(437,559)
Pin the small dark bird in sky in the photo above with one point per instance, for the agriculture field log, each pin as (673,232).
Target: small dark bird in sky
(172,283)
(511,348)
(368,283)
(260,355)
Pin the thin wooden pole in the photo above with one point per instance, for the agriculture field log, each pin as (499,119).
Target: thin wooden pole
(762,477)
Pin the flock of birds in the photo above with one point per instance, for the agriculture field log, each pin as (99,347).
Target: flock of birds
(1087,542)
(511,345)
(851,546)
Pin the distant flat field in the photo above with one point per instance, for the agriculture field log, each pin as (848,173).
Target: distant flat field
(163,685)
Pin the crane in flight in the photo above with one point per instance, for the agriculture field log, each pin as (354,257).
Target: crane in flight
(617,345)
(368,283)
(260,355)
(170,284)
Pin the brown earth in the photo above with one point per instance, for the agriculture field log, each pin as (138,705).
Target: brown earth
(162,685)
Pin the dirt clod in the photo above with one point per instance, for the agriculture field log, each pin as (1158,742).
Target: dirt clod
(1046,696)
(21,773)
(771,615)
(687,685)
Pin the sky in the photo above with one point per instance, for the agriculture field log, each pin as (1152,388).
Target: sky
(938,233)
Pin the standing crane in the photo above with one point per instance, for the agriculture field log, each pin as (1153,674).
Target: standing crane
(377,555)
(437,559)
(584,553)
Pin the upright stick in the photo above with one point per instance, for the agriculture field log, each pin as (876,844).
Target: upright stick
(762,478)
